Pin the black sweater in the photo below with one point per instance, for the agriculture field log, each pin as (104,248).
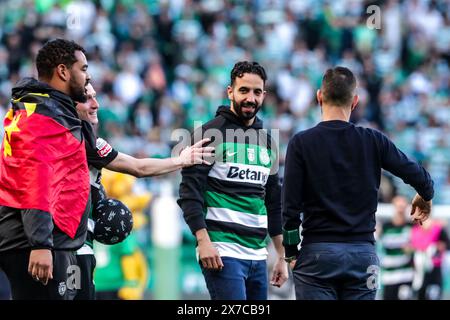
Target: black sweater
(332,175)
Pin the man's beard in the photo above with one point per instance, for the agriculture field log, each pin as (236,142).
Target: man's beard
(77,93)
(246,115)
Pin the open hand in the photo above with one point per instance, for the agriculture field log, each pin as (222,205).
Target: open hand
(196,154)
(421,209)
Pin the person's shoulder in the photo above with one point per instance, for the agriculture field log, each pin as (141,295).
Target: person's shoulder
(215,123)
(201,131)
(296,140)
(54,105)
(369,131)
(372,134)
(305,133)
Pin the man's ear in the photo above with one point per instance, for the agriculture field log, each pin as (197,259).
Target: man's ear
(264,95)
(230,92)
(319,96)
(355,101)
(62,72)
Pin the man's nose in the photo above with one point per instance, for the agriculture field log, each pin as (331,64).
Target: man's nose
(95,104)
(251,97)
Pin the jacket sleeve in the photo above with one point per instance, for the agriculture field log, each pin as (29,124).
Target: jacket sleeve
(292,198)
(273,205)
(191,199)
(412,173)
(192,189)
(38,227)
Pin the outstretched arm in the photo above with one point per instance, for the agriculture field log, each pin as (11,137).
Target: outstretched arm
(148,167)
(412,173)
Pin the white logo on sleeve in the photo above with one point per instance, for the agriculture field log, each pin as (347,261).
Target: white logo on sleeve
(103,147)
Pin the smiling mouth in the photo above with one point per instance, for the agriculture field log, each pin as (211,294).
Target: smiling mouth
(248,108)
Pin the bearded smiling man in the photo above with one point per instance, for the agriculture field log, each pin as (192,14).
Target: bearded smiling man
(232,205)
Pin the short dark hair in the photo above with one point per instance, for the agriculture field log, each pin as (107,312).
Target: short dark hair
(247,67)
(338,86)
(54,53)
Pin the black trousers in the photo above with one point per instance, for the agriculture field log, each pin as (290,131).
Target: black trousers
(23,287)
(86,262)
(336,271)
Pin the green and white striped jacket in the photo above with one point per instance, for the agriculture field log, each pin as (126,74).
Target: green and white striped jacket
(236,199)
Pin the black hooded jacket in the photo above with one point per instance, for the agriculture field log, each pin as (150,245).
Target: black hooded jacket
(31,228)
(231,178)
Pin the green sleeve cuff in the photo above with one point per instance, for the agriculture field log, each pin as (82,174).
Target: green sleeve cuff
(291,237)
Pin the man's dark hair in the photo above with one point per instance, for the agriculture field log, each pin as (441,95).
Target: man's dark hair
(338,86)
(54,53)
(247,67)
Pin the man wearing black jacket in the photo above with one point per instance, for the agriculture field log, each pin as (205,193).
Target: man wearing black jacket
(332,176)
(44,177)
(232,205)
(103,155)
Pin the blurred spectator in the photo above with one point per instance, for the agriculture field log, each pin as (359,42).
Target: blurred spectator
(430,241)
(397,259)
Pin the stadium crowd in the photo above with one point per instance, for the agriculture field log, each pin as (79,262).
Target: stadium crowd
(161,65)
